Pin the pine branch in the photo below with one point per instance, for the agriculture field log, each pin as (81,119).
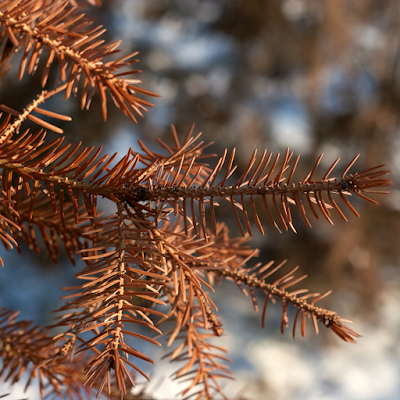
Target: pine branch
(177,186)
(304,303)
(163,246)
(202,368)
(26,353)
(171,179)
(228,259)
(69,37)
(47,223)
(107,300)
(7,130)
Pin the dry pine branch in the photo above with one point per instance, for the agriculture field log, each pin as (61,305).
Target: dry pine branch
(156,260)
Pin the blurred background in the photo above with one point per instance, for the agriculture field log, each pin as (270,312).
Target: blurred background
(320,77)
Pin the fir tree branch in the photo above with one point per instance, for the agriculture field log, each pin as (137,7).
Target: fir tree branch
(163,246)
(58,28)
(107,300)
(27,113)
(25,353)
(278,290)
(202,360)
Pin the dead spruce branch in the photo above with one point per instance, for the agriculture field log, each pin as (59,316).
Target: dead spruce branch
(155,262)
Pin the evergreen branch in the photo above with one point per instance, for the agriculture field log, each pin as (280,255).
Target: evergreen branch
(278,290)
(106,301)
(25,352)
(59,29)
(170,179)
(163,246)
(7,130)
(202,360)
(227,258)
(35,161)
(269,186)
(48,225)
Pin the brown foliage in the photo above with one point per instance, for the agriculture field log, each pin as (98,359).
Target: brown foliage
(155,260)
